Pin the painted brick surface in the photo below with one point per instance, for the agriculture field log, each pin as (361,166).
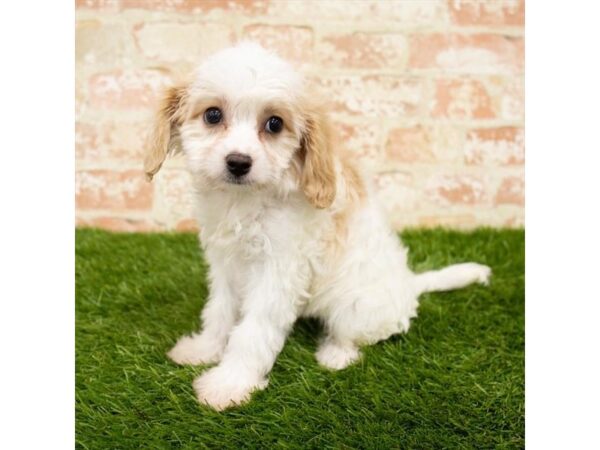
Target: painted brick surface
(428,97)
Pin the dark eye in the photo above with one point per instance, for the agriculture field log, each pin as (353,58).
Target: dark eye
(213,116)
(274,125)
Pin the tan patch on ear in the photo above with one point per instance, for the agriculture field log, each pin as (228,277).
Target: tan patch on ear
(318,180)
(163,139)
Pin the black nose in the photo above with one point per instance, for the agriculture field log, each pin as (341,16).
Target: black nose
(238,164)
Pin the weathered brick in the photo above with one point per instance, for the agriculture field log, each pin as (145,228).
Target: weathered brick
(472,53)
(117,224)
(363,51)
(516,221)
(81,98)
(462,99)
(377,66)
(410,145)
(511,191)
(98,44)
(374,95)
(443,220)
(486,12)
(459,189)
(509,95)
(108,5)
(124,141)
(290,42)
(172,41)
(396,192)
(187,225)
(399,13)
(247,7)
(112,190)
(173,200)
(128,89)
(86,139)
(424,144)
(360,141)
(495,146)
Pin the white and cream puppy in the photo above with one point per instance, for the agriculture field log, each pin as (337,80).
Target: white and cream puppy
(288,225)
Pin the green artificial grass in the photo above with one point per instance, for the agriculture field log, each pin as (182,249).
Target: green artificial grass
(456,380)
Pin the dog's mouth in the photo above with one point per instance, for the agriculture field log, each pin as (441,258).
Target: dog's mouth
(237,180)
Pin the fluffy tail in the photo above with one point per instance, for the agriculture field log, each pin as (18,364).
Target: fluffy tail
(452,277)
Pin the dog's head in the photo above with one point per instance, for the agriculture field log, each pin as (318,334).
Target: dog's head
(245,122)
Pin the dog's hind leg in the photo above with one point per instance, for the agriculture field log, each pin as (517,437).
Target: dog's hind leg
(356,322)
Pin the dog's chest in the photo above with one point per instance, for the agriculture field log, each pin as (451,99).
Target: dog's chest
(239,236)
(244,230)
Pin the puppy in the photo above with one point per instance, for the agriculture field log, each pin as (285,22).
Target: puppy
(289,226)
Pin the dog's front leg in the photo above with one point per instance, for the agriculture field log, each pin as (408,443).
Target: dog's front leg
(218,318)
(268,312)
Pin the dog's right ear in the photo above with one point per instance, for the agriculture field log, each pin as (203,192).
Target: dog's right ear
(164,137)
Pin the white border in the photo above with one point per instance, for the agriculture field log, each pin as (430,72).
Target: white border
(563,225)
(36,237)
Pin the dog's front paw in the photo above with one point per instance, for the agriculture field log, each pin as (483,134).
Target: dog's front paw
(196,349)
(222,387)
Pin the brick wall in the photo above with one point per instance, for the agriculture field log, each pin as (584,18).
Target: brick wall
(428,94)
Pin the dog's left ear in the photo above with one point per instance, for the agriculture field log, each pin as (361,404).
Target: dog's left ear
(318,173)
(164,137)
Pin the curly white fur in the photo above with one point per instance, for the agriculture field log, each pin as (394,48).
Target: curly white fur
(299,235)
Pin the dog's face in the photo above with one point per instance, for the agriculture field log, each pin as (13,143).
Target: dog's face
(244,122)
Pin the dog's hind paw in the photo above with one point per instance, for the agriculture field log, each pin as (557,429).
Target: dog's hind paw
(336,357)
